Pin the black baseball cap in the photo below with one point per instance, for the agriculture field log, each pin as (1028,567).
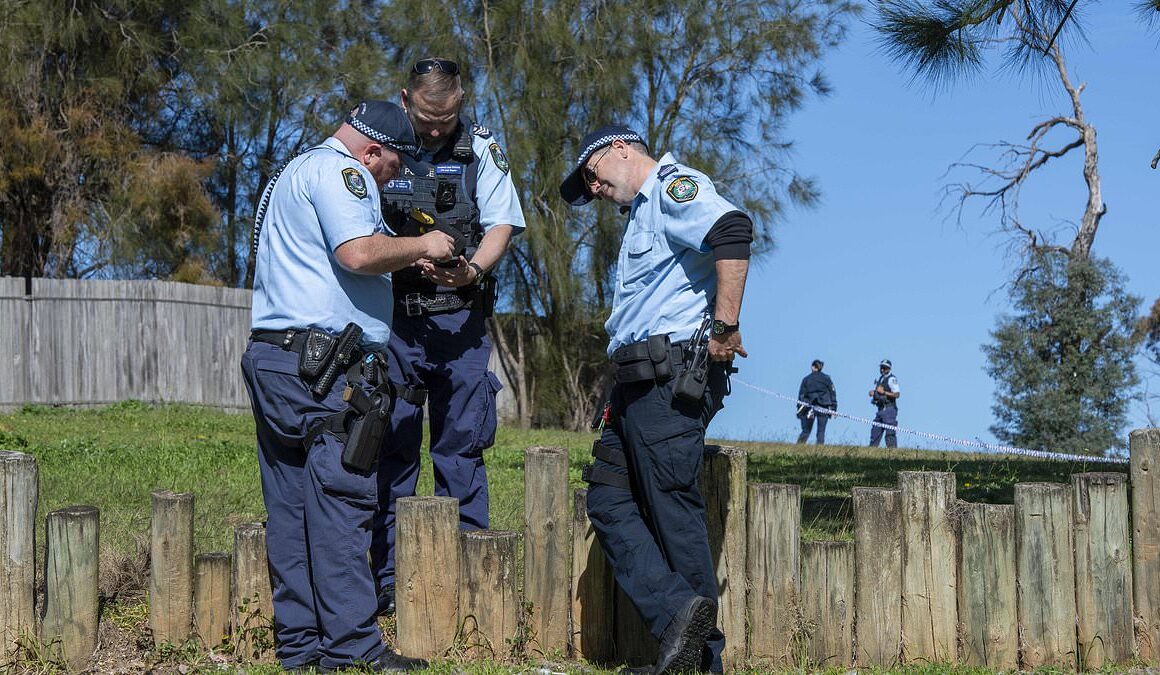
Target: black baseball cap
(387,124)
(574,189)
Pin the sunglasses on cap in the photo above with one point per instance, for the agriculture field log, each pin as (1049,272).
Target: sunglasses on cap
(424,66)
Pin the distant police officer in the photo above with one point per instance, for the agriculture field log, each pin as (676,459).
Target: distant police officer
(884,396)
(817,389)
(464,187)
(685,252)
(322,255)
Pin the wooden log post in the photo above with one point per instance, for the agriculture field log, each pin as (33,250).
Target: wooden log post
(723,487)
(489,600)
(427,572)
(171,567)
(828,602)
(1145,449)
(252,607)
(878,575)
(18,498)
(1103,569)
(773,565)
(592,590)
(929,559)
(987,586)
(71,575)
(1045,575)
(211,597)
(635,645)
(547,545)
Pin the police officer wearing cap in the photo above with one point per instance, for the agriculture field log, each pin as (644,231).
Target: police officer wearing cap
(683,263)
(464,186)
(817,389)
(321,263)
(884,396)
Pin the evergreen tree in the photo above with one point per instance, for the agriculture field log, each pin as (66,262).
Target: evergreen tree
(1062,362)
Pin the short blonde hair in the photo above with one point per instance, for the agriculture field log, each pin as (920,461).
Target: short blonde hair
(436,84)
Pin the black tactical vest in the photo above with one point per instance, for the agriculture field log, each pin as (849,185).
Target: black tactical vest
(444,199)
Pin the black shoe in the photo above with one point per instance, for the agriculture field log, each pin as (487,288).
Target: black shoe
(684,640)
(389,662)
(386,598)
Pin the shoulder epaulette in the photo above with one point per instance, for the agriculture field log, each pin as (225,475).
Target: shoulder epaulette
(480,130)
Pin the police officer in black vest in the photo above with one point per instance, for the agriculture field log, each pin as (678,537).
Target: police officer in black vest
(817,389)
(884,396)
(464,188)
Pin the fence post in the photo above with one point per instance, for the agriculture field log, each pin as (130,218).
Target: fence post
(253,605)
(1045,570)
(71,571)
(635,645)
(427,572)
(18,495)
(1145,448)
(929,557)
(878,575)
(723,486)
(171,567)
(773,564)
(1103,568)
(211,597)
(828,601)
(489,600)
(987,586)
(547,545)
(592,589)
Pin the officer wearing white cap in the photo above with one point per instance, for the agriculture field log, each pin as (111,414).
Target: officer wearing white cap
(322,302)
(683,263)
(884,396)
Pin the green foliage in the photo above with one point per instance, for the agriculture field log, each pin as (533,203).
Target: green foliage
(1063,361)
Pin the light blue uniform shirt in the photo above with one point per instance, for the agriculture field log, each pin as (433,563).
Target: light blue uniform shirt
(666,277)
(323,198)
(495,193)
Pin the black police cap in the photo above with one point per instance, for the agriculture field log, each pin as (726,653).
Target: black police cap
(574,189)
(386,124)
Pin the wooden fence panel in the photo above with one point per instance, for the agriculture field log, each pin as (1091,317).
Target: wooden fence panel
(987,586)
(72,554)
(828,601)
(1045,574)
(1103,568)
(19,490)
(774,570)
(723,486)
(1145,445)
(592,589)
(929,558)
(878,575)
(15,310)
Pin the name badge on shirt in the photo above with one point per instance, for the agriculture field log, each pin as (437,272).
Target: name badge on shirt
(449,170)
(398,186)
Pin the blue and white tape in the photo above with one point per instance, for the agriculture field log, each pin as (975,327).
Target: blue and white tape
(993,448)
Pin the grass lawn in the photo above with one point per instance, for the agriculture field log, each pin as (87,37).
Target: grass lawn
(113,457)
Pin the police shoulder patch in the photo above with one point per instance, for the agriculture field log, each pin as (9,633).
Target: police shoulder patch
(480,130)
(683,189)
(354,182)
(500,159)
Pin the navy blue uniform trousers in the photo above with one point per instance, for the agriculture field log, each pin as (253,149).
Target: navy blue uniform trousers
(654,535)
(318,526)
(886,415)
(448,354)
(808,423)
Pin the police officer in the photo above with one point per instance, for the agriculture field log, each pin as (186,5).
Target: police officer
(884,396)
(683,262)
(464,185)
(321,263)
(817,389)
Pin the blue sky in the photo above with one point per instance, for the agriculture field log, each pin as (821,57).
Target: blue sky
(879,270)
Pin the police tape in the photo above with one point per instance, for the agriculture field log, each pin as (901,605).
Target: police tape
(992,448)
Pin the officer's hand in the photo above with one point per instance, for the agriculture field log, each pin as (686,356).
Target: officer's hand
(437,245)
(880,390)
(458,275)
(723,348)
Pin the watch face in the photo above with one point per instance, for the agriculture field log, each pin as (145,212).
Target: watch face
(718,327)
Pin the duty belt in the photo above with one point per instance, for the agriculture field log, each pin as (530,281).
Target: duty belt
(651,359)
(291,339)
(419,303)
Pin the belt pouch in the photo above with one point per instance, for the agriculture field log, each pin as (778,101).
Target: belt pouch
(659,348)
(316,353)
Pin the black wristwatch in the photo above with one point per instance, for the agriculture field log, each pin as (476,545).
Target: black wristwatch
(478,272)
(722,328)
